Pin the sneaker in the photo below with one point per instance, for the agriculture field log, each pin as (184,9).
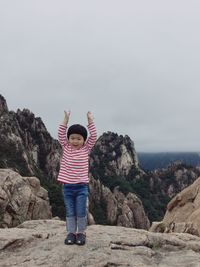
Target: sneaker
(70,239)
(80,239)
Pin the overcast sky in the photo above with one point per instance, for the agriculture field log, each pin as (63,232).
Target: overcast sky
(134,64)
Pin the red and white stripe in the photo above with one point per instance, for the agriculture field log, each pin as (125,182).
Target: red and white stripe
(74,163)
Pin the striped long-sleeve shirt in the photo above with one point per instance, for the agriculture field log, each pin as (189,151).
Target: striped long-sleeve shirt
(74,164)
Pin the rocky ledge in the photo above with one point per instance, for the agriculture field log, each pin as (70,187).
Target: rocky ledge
(40,243)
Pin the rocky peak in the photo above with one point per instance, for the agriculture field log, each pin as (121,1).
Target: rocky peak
(26,146)
(3,105)
(117,153)
(175,177)
(26,119)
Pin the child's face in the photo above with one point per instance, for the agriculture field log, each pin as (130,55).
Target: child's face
(76,140)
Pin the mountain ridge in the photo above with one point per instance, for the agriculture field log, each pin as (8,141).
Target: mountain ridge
(157,160)
(27,147)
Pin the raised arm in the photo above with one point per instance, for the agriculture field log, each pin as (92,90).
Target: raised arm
(63,128)
(92,130)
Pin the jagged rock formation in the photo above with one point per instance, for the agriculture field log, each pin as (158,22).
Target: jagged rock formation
(115,156)
(183,212)
(21,198)
(175,178)
(116,208)
(3,105)
(25,144)
(27,147)
(165,184)
(41,243)
(114,162)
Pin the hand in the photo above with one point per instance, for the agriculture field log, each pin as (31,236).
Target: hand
(66,117)
(90,117)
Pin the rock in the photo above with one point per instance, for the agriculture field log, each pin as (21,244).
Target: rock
(176,177)
(158,227)
(115,155)
(41,243)
(183,211)
(119,209)
(3,105)
(25,144)
(27,148)
(21,198)
(189,228)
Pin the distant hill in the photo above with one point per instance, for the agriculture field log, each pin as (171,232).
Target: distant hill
(153,161)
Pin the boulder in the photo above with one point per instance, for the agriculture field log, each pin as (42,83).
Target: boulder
(183,212)
(21,199)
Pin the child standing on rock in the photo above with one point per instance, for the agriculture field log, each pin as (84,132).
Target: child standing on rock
(73,174)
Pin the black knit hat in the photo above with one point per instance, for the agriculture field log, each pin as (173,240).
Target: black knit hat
(77,129)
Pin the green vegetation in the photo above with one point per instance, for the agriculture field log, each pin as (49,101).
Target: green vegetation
(99,212)
(12,157)
(56,200)
(153,199)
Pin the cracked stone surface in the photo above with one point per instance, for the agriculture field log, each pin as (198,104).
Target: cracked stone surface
(41,243)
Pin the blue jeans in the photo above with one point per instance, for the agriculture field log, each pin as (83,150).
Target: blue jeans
(75,198)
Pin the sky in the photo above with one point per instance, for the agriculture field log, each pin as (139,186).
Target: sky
(134,64)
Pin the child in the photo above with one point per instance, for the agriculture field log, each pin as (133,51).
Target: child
(74,175)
